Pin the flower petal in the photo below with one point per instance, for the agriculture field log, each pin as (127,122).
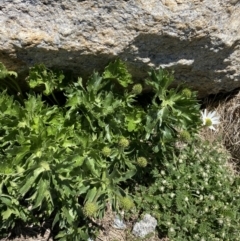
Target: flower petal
(212,128)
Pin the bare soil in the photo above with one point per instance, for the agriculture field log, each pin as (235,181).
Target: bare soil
(107,232)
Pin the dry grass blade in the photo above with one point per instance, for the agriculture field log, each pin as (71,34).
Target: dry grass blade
(228,131)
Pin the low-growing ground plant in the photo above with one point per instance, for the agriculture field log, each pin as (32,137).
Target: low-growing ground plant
(194,196)
(64,164)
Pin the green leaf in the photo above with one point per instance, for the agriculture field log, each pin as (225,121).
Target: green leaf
(73,101)
(82,189)
(131,126)
(90,122)
(108,134)
(4,72)
(134,120)
(127,175)
(167,134)
(95,83)
(6,199)
(118,70)
(6,214)
(150,199)
(24,189)
(30,180)
(90,163)
(55,220)
(162,114)
(41,189)
(156,149)
(91,194)
(21,153)
(40,76)
(78,160)
(68,214)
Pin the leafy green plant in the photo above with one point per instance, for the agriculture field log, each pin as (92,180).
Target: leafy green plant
(56,154)
(8,82)
(45,81)
(68,163)
(194,196)
(117,71)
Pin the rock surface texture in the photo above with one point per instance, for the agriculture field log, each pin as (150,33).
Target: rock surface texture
(145,226)
(198,39)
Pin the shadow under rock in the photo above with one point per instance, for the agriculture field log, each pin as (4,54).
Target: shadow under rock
(204,61)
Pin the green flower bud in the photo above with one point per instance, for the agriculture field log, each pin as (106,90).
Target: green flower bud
(185,136)
(142,161)
(137,89)
(90,209)
(123,142)
(187,92)
(106,151)
(126,203)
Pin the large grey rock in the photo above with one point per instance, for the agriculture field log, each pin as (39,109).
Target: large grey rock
(199,39)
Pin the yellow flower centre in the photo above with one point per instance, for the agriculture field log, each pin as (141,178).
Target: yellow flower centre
(208,122)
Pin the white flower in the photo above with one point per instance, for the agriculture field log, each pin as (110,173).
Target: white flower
(171,230)
(162,189)
(164,182)
(204,174)
(172,195)
(210,118)
(163,172)
(212,197)
(220,221)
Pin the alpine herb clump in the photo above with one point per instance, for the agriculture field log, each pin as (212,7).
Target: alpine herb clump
(67,159)
(194,196)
